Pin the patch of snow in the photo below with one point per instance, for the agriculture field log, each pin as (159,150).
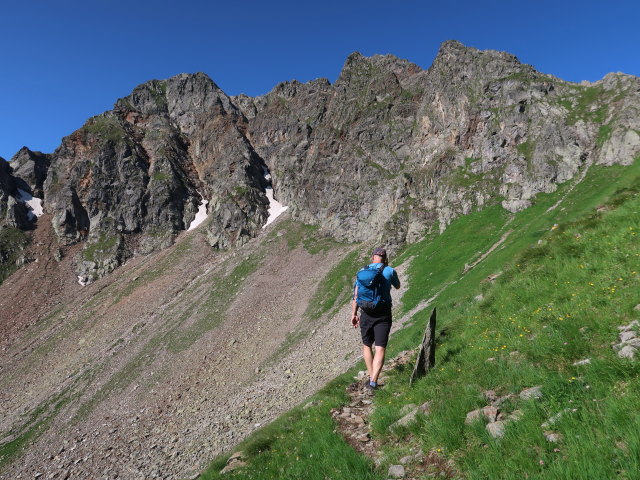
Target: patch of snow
(34,204)
(201,216)
(275,207)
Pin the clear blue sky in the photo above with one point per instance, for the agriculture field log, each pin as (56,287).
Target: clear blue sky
(62,62)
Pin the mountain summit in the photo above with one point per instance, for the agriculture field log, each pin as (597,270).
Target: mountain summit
(389,151)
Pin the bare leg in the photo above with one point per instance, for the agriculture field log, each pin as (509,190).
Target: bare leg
(376,364)
(368,359)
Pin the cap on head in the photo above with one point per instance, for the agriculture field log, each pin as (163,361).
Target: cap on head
(380,252)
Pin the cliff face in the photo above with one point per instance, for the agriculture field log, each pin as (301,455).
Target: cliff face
(132,178)
(387,152)
(390,150)
(13,213)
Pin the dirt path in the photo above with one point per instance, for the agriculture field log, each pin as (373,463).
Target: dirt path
(353,422)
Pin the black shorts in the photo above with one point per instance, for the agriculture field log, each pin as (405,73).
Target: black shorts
(375,327)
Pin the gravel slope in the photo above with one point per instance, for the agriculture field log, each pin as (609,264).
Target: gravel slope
(155,369)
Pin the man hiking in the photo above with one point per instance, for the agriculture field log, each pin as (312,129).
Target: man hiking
(372,295)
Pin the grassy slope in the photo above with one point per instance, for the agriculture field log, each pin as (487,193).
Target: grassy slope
(558,301)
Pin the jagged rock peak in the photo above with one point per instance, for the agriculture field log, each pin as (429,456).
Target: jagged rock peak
(453,50)
(290,88)
(32,168)
(194,92)
(456,63)
(357,64)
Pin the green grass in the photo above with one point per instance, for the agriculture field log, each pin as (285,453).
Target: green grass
(162,177)
(37,422)
(302,445)
(557,303)
(221,294)
(581,107)
(463,176)
(604,134)
(526,149)
(101,249)
(309,237)
(569,277)
(106,128)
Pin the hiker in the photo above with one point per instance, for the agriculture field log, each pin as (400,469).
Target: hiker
(372,295)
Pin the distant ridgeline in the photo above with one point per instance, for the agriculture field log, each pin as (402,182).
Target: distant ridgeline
(388,152)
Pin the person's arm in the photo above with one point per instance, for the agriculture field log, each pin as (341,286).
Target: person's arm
(355,320)
(395,281)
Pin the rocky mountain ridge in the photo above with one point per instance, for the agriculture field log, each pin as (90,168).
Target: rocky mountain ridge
(388,151)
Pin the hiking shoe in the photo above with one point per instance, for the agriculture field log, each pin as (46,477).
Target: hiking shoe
(369,390)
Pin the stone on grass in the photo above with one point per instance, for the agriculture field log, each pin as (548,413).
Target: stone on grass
(406,420)
(557,417)
(417,457)
(496,429)
(637,308)
(396,471)
(627,335)
(233,466)
(631,326)
(411,458)
(409,407)
(586,361)
(473,416)
(236,456)
(553,437)
(490,396)
(533,392)
(627,352)
(490,413)
(516,415)
(634,342)
(499,401)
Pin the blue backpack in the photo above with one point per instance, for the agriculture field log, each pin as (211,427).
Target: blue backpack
(370,283)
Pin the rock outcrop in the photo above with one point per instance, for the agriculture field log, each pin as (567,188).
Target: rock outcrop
(391,150)
(13,220)
(387,152)
(31,169)
(132,178)
(12,212)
